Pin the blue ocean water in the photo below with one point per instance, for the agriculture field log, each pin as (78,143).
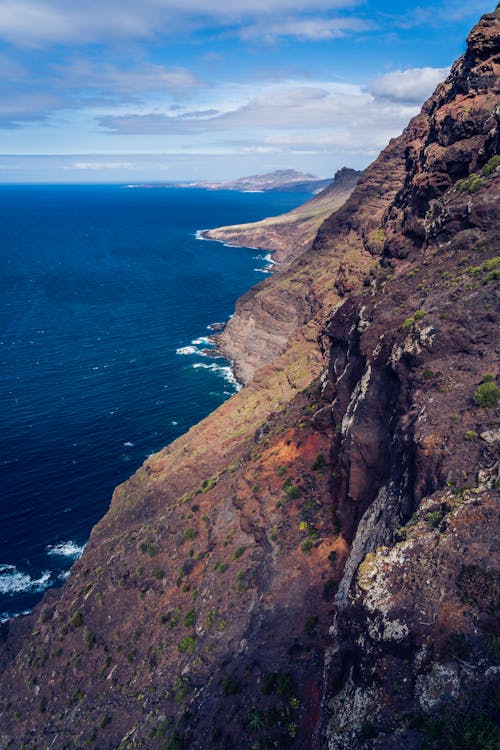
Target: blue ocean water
(106,295)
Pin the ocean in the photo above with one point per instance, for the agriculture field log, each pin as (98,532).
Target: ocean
(107,297)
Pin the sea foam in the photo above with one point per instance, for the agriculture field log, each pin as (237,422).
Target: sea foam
(66,549)
(14,581)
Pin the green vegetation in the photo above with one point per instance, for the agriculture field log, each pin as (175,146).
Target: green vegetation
(307,545)
(207,484)
(187,644)
(487,394)
(491,165)
(238,553)
(189,534)
(458,732)
(90,639)
(470,184)
(409,322)
(158,573)
(76,697)
(292,491)
(319,462)
(470,435)
(281,470)
(149,548)
(189,619)
(377,236)
(106,719)
(76,620)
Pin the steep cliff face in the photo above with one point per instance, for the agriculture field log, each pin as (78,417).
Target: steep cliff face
(343,253)
(342,503)
(414,633)
(291,234)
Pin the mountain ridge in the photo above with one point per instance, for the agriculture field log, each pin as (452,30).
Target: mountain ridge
(314,564)
(291,234)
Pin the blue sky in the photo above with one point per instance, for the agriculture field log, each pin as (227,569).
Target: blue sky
(158,90)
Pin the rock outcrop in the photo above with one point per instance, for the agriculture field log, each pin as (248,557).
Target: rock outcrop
(315,565)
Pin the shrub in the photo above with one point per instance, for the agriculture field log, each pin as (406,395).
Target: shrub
(491,165)
(189,619)
(307,545)
(149,549)
(158,573)
(319,462)
(207,484)
(470,435)
(187,644)
(90,639)
(238,552)
(487,394)
(189,534)
(292,491)
(281,470)
(470,184)
(407,325)
(76,620)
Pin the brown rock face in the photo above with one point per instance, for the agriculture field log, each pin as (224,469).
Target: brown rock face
(315,565)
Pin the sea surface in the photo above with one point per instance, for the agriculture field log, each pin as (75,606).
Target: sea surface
(106,298)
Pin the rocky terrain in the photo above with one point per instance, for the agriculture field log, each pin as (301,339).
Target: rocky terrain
(290,235)
(315,565)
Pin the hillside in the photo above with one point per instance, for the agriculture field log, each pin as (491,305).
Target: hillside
(291,234)
(315,564)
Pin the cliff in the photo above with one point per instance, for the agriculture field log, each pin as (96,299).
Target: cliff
(316,563)
(290,235)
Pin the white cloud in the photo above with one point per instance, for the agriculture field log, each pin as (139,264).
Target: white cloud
(413,85)
(292,117)
(104,76)
(99,165)
(41,22)
(312,29)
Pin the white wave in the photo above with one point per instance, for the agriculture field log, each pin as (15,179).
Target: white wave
(128,444)
(187,350)
(225,371)
(202,340)
(199,234)
(13,581)
(4,616)
(263,270)
(66,549)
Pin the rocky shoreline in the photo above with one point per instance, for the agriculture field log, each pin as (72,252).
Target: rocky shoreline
(314,565)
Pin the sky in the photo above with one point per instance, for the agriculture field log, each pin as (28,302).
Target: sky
(168,90)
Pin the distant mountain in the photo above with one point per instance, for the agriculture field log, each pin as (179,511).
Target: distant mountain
(290,234)
(288,180)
